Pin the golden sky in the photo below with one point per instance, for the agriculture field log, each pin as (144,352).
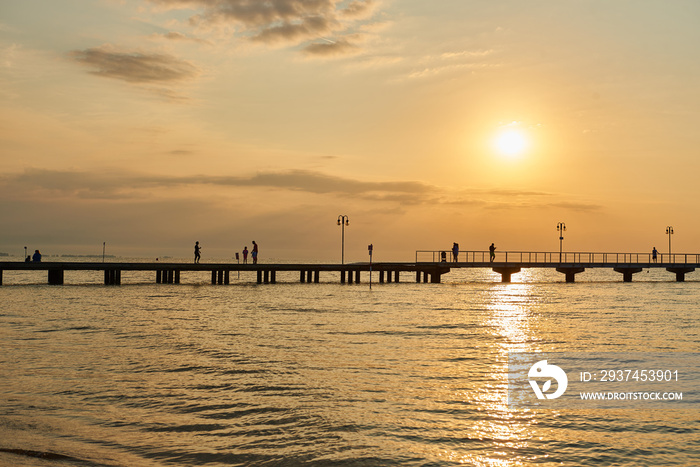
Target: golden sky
(150,124)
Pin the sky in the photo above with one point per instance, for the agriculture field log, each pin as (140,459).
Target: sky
(148,125)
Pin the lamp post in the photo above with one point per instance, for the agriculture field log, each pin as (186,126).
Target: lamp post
(561,227)
(669,232)
(25,254)
(343,220)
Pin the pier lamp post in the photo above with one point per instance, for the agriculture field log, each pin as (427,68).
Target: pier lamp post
(561,227)
(343,220)
(25,254)
(669,232)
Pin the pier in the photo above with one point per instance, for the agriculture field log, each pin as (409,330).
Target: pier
(429,266)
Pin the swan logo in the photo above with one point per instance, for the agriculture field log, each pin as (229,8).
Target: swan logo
(542,370)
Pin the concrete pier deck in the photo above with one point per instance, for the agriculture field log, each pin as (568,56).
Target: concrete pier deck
(429,266)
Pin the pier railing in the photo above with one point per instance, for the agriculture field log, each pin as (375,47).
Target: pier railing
(544,257)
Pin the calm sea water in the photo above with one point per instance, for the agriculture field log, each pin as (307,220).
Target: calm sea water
(327,374)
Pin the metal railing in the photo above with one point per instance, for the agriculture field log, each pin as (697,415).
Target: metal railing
(543,257)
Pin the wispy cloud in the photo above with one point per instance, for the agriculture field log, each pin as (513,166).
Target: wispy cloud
(329,49)
(114,185)
(135,67)
(179,37)
(123,184)
(454,61)
(283,21)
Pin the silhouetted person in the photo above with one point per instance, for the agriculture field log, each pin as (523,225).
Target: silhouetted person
(36,257)
(197,252)
(28,259)
(653,254)
(492,252)
(245,254)
(255,252)
(455,251)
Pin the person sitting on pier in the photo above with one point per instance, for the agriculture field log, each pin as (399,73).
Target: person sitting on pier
(37,256)
(492,252)
(245,254)
(197,252)
(255,252)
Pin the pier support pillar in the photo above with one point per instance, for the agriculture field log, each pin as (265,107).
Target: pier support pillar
(680,272)
(260,278)
(342,277)
(627,273)
(213,278)
(425,277)
(55,276)
(506,272)
(302,276)
(273,277)
(570,272)
(317,277)
(435,277)
(0,276)
(159,276)
(113,277)
(227,277)
(388,277)
(177,276)
(418,277)
(349,277)
(396,276)
(381,276)
(308,276)
(357,277)
(266,275)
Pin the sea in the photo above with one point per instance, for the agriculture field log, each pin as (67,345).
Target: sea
(286,374)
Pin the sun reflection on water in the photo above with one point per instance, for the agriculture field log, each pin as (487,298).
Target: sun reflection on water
(509,313)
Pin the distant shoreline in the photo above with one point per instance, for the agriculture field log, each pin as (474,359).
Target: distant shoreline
(85,256)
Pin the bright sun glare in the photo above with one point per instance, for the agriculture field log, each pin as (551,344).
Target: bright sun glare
(511,142)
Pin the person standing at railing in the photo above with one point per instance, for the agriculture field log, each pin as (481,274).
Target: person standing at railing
(492,252)
(653,254)
(455,251)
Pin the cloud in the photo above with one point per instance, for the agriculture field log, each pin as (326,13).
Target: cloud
(455,61)
(116,184)
(135,67)
(359,9)
(122,185)
(295,32)
(179,37)
(280,21)
(327,49)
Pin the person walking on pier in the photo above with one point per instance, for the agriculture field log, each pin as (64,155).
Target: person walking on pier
(245,254)
(255,252)
(455,251)
(492,252)
(653,254)
(197,252)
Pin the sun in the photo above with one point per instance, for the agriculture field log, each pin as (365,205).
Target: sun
(511,141)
